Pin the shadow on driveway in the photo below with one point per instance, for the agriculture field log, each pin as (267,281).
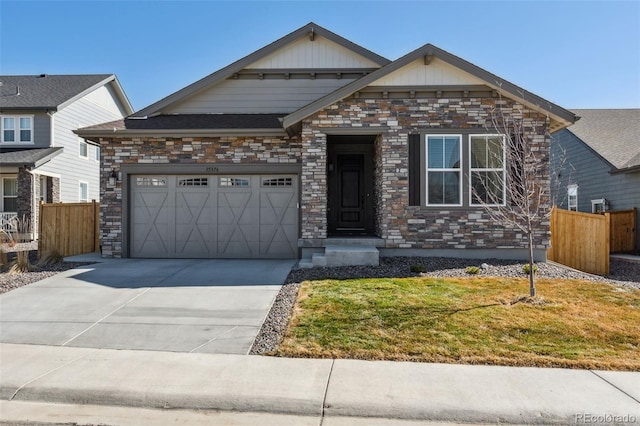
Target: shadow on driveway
(214,306)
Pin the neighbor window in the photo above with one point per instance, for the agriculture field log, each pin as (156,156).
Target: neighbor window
(444,174)
(572,197)
(17,129)
(84,192)
(487,171)
(83,149)
(10,195)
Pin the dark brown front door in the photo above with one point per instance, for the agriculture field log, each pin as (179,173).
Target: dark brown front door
(350,190)
(351,195)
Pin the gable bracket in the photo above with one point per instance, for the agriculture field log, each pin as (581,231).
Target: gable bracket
(427,59)
(312,34)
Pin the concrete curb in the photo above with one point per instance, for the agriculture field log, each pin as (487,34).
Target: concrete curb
(314,387)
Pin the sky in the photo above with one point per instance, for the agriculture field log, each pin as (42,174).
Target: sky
(577,54)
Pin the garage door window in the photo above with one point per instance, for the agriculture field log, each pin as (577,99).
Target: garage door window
(193,182)
(234,181)
(277,181)
(151,181)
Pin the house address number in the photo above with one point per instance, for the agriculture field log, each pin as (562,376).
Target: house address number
(212,170)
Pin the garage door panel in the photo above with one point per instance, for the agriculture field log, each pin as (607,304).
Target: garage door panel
(247,216)
(151,224)
(193,224)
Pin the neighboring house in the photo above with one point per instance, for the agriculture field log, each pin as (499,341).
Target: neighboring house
(312,146)
(41,159)
(599,161)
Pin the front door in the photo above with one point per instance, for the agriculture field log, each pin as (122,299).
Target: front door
(350,190)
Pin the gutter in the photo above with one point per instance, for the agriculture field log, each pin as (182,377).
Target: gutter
(179,132)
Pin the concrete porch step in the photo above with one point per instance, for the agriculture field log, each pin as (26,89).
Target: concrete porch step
(346,255)
(355,241)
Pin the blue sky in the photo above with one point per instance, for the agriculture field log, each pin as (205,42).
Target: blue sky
(578,54)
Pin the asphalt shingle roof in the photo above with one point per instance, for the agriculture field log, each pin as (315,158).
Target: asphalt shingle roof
(30,157)
(612,133)
(195,121)
(43,91)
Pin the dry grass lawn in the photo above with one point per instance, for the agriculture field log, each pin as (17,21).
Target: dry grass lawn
(479,320)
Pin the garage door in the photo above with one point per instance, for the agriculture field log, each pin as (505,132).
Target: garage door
(250,216)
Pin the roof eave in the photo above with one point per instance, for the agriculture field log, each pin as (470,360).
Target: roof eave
(178,132)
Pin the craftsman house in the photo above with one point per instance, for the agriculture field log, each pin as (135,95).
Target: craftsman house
(41,159)
(316,148)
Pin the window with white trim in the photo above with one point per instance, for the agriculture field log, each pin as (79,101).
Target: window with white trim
(97,153)
(487,171)
(444,170)
(17,129)
(572,197)
(84,192)
(9,195)
(83,149)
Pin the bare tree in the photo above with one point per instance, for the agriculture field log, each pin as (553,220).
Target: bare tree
(510,174)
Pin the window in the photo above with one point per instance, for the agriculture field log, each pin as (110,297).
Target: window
(84,192)
(444,177)
(193,182)
(97,152)
(17,129)
(279,181)
(9,194)
(229,181)
(572,197)
(43,189)
(151,181)
(83,149)
(487,171)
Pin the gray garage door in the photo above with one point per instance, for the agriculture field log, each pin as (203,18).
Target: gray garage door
(247,216)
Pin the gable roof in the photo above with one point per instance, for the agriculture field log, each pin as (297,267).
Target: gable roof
(53,92)
(614,134)
(559,115)
(310,29)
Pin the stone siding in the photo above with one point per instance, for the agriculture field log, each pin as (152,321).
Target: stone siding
(214,150)
(416,227)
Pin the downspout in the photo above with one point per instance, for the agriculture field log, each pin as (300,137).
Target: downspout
(52,128)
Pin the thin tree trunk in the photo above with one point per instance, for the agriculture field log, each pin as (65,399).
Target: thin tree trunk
(532,283)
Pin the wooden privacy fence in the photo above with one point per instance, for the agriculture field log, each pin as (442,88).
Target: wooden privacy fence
(69,228)
(584,241)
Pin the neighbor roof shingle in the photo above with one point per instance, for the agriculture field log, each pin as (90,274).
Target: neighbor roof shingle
(44,91)
(612,133)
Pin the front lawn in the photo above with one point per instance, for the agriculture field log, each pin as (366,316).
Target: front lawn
(575,324)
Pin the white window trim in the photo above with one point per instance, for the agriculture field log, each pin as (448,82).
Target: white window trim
(472,201)
(427,169)
(569,204)
(82,141)
(16,129)
(86,200)
(96,154)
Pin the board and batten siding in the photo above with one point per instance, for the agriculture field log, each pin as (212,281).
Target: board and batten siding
(319,53)
(582,166)
(437,73)
(254,96)
(99,106)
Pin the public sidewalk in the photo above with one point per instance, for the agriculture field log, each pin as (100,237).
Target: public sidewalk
(315,388)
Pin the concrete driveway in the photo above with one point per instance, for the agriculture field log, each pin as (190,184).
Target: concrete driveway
(210,306)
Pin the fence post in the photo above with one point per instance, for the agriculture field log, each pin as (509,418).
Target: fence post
(607,241)
(96,225)
(41,237)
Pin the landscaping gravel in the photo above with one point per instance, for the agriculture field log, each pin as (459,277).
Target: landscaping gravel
(9,282)
(621,273)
